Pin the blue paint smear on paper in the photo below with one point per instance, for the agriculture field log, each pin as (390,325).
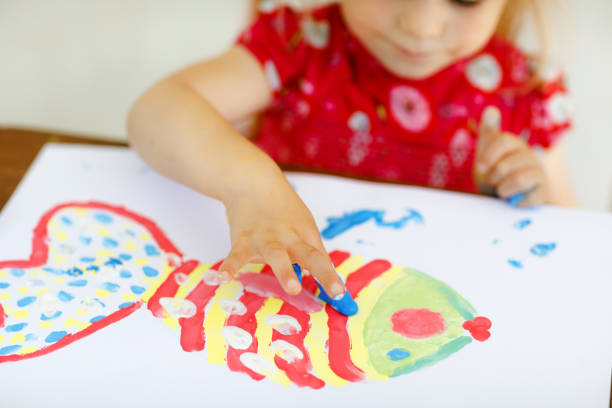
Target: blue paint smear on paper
(64,296)
(55,336)
(126,304)
(125,257)
(50,317)
(125,274)
(111,287)
(339,225)
(85,240)
(522,224)
(137,289)
(26,301)
(54,271)
(4,285)
(74,272)
(97,318)
(113,262)
(103,218)
(151,250)
(150,272)
(15,327)
(93,268)
(9,349)
(78,283)
(398,354)
(542,250)
(18,273)
(515,264)
(31,336)
(87,259)
(109,243)
(66,221)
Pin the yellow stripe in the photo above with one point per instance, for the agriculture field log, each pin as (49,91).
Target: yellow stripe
(155,284)
(263,334)
(215,320)
(27,350)
(315,341)
(194,277)
(366,300)
(349,266)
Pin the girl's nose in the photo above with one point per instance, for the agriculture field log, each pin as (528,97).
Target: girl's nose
(422,19)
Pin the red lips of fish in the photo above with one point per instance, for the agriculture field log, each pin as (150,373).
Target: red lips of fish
(478,328)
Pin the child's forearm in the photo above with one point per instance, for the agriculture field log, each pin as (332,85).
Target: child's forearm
(182,136)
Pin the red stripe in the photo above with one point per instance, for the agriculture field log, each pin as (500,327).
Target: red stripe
(192,328)
(339,347)
(169,288)
(2,316)
(39,247)
(299,370)
(337,257)
(362,277)
(216,266)
(248,323)
(70,338)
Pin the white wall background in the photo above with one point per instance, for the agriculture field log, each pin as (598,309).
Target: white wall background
(76,66)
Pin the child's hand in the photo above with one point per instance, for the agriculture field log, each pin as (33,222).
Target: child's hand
(273,226)
(507,163)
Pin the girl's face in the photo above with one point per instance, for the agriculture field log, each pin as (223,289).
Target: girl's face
(416,38)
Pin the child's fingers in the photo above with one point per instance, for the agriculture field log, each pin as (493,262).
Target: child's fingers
(496,149)
(490,124)
(519,182)
(536,197)
(239,255)
(510,164)
(275,255)
(319,265)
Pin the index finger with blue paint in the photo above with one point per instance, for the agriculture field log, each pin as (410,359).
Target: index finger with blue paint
(343,303)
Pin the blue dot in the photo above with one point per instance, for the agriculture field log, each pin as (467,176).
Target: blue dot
(97,318)
(18,273)
(15,327)
(50,317)
(150,272)
(113,262)
(398,354)
(515,264)
(87,259)
(137,289)
(55,336)
(542,250)
(4,285)
(109,243)
(78,283)
(66,221)
(31,336)
(151,250)
(103,218)
(9,349)
(65,296)
(26,301)
(125,274)
(522,224)
(111,287)
(125,257)
(92,268)
(126,304)
(85,240)
(54,271)
(74,272)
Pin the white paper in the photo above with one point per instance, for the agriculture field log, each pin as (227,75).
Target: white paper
(551,331)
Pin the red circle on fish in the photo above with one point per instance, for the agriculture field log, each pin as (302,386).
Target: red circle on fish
(417,323)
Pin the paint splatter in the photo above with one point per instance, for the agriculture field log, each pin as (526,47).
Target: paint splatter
(398,354)
(543,250)
(338,225)
(515,263)
(478,328)
(522,224)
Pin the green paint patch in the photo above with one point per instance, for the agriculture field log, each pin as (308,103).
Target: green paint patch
(415,290)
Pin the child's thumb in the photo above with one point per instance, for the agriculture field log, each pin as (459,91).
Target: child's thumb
(490,125)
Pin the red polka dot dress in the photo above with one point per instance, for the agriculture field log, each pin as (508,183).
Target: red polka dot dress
(337,109)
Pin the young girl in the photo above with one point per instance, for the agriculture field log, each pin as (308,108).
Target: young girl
(428,92)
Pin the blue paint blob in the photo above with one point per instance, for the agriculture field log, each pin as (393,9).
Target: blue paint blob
(78,283)
(111,287)
(18,273)
(125,274)
(515,264)
(150,272)
(522,224)
(54,271)
(542,250)
(31,336)
(137,289)
(87,259)
(103,218)
(126,304)
(74,272)
(15,327)
(26,301)
(398,354)
(339,225)
(85,240)
(495,241)
(50,317)
(9,349)
(151,250)
(66,221)
(93,268)
(4,285)
(55,336)
(130,233)
(109,243)
(97,318)
(113,262)
(64,296)
(125,257)
(345,305)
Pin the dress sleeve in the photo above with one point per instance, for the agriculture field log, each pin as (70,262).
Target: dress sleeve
(275,39)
